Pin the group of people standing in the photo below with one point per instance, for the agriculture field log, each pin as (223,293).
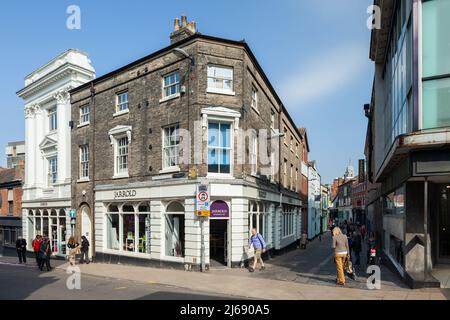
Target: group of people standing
(42,249)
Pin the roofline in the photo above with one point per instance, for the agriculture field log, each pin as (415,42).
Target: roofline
(196,36)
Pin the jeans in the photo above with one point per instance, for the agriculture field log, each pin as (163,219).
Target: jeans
(340,261)
(84,257)
(36,254)
(357,258)
(45,261)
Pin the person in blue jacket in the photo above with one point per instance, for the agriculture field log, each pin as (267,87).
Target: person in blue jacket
(257,241)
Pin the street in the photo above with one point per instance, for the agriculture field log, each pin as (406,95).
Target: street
(26,282)
(297,275)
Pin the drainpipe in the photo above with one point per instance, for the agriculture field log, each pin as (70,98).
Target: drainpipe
(425,227)
(93,170)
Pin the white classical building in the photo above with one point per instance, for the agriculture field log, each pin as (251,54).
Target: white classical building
(47,188)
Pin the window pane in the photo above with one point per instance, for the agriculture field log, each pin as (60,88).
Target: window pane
(174,235)
(113,232)
(213,135)
(225,135)
(225,162)
(436,103)
(436,37)
(213,161)
(128,232)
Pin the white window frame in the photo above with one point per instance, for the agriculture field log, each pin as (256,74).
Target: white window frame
(122,156)
(220,90)
(176,84)
(53,119)
(254,156)
(119,104)
(115,135)
(165,147)
(84,162)
(52,170)
(231,147)
(254,102)
(85,115)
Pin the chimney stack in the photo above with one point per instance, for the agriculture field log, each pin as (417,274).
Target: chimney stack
(182,29)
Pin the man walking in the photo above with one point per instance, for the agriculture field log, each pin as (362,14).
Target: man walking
(45,252)
(84,250)
(36,244)
(21,247)
(258,243)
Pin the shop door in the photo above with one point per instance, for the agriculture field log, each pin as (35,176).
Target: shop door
(444,226)
(86,228)
(218,252)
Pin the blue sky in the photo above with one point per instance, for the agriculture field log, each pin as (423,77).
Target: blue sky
(314,52)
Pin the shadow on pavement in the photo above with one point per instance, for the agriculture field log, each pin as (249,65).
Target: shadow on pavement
(167,295)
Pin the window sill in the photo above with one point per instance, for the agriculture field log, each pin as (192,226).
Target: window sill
(256,110)
(172,97)
(121,176)
(170,170)
(81,125)
(224,92)
(83,180)
(225,176)
(121,113)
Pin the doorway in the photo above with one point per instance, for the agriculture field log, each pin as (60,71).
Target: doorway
(86,227)
(443,233)
(218,239)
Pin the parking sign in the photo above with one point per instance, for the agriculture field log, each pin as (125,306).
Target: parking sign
(203,201)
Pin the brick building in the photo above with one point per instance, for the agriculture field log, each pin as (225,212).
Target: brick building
(11,181)
(145,135)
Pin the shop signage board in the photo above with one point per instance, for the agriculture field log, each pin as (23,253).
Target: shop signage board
(220,209)
(73,213)
(202,201)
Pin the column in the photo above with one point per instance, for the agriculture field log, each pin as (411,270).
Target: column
(30,146)
(39,133)
(63,133)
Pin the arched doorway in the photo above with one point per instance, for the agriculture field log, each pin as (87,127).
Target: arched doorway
(86,226)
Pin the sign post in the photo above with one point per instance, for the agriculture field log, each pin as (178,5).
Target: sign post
(203,211)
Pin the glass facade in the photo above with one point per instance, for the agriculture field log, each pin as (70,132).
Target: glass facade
(436,63)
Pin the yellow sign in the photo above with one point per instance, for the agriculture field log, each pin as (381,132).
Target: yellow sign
(203,213)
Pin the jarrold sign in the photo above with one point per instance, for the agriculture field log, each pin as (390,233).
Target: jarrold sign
(125,194)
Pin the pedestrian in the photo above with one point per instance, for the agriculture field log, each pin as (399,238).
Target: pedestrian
(341,253)
(21,247)
(363,232)
(371,244)
(45,252)
(258,243)
(357,247)
(84,250)
(36,244)
(74,249)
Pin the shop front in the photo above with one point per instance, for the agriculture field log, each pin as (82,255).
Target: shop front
(53,223)
(140,224)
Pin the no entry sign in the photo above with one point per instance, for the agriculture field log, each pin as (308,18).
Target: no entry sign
(202,201)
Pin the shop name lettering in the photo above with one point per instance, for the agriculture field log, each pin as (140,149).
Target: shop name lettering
(124,194)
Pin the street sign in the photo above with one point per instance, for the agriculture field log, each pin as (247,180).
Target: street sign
(203,201)
(73,213)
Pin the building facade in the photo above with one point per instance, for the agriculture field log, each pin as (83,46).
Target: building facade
(15,153)
(314,201)
(11,181)
(407,142)
(47,189)
(325,205)
(160,126)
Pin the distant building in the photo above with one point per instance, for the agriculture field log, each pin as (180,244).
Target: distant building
(11,181)
(314,203)
(15,152)
(325,200)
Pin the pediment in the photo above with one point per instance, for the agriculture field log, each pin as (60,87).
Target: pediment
(48,143)
(221,111)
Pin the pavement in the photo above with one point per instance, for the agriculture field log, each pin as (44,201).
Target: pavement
(298,275)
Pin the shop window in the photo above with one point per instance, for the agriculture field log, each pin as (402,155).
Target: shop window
(113,232)
(174,230)
(129,232)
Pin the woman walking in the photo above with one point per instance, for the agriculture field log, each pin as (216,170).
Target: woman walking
(74,249)
(341,252)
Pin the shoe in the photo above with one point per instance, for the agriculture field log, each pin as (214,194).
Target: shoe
(263,268)
(251,270)
(340,284)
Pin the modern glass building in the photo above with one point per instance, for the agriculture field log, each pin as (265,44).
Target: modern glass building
(408,141)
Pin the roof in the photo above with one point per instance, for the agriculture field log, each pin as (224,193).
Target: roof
(304,135)
(197,36)
(10,175)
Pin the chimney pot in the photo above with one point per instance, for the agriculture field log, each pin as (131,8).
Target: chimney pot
(176,24)
(183,21)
